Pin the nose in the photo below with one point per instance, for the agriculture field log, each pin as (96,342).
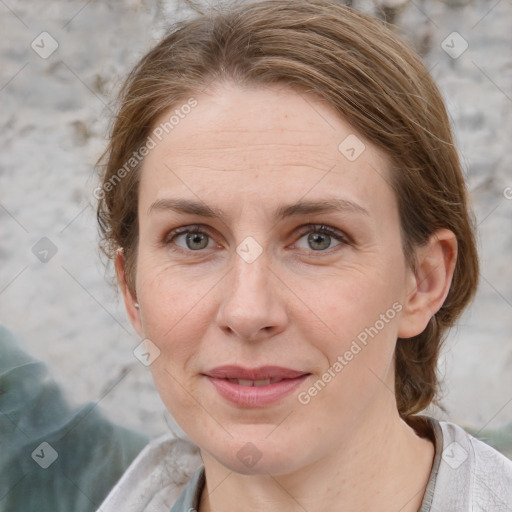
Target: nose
(253,305)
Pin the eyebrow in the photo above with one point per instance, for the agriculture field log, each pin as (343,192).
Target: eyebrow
(187,206)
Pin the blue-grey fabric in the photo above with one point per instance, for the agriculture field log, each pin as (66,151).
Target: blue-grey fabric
(88,453)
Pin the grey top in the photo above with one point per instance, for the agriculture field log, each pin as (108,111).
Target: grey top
(467,476)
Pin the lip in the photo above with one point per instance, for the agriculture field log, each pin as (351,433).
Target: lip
(255,396)
(260,373)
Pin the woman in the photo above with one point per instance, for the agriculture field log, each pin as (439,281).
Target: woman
(289,224)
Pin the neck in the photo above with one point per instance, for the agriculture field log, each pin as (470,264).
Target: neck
(383,464)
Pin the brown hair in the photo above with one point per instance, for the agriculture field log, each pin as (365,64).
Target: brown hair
(360,68)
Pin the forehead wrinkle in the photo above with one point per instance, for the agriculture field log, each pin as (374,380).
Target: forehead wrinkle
(192,148)
(206,159)
(207,168)
(318,155)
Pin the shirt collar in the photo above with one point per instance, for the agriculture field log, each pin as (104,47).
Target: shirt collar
(189,498)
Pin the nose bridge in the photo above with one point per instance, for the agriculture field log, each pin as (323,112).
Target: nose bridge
(249,283)
(250,304)
(250,263)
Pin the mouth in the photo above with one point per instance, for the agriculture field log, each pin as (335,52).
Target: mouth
(255,387)
(260,374)
(248,382)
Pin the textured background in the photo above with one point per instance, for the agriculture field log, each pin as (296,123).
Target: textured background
(54,115)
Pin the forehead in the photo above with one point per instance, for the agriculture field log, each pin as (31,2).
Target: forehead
(272,141)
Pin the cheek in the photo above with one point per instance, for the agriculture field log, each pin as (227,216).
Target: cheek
(168,294)
(358,349)
(351,301)
(175,317)
(358,334)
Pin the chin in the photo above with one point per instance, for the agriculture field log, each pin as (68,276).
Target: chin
(257,456)
(264,467)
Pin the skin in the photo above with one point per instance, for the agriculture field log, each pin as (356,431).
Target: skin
(247,152)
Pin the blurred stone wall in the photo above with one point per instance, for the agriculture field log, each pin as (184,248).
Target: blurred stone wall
(61,64)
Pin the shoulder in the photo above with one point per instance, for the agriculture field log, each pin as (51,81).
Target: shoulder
(471,475)
(156,478)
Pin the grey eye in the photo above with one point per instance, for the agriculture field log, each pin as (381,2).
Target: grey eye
(319,241)
(320,238)
(196,241)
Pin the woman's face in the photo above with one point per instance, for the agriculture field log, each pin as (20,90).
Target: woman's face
(256,172)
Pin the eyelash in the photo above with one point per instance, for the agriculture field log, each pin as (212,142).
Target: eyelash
(309,228)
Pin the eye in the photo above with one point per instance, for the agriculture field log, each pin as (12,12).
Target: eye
(319,238)
(192,238)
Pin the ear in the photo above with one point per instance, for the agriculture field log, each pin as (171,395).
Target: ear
(129,299)
(428,284)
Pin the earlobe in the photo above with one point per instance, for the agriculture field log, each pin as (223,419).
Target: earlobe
(130,302)
(429,282)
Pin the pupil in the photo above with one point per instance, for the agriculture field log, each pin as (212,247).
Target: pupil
(196,238)
(316,238)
